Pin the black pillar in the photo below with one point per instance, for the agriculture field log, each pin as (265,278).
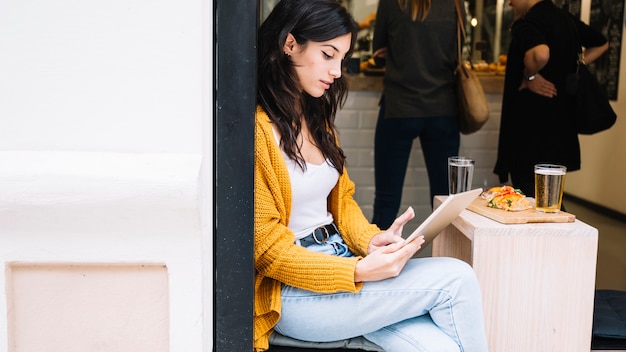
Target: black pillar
(235,26)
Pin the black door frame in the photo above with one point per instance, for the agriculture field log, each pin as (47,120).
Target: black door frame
(235,25)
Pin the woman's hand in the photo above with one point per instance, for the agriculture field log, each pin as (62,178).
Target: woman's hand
(387,261)
(381,53)
(393,234)
(539,86)
(388,252)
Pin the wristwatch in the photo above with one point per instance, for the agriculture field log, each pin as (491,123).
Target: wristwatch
(531,77)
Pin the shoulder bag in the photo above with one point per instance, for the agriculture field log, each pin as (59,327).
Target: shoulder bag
(472,103)
(592,112)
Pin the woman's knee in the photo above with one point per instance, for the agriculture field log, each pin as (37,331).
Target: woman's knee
(463,268)
(453,265)
(456,270)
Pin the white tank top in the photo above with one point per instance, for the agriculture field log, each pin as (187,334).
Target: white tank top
(309,189)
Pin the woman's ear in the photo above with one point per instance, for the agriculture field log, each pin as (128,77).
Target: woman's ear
(290,44)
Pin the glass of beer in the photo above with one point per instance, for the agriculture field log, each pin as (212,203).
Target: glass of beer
(460,172)
(549,182)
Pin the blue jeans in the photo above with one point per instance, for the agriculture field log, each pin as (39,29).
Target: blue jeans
(433,305)
(439,138)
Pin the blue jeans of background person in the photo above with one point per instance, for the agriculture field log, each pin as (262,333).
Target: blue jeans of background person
(439,138)
(433,305)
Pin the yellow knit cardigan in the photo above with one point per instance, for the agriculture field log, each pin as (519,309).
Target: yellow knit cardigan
(277,259)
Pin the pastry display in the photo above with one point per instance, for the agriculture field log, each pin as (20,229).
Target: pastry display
(498,67)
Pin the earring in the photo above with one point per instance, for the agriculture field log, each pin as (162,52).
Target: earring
(287,54)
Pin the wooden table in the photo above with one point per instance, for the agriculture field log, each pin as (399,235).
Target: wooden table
(537,280)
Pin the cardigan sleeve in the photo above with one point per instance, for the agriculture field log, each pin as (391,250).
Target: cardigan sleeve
(276,254)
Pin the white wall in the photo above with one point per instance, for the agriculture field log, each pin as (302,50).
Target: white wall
(602,174)
(120,75)
(104,124)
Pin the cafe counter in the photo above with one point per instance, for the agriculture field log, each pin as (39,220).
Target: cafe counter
(492,83)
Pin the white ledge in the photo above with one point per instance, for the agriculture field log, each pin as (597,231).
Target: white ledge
(55,191)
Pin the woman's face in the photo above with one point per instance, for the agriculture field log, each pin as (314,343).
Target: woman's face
(318,64)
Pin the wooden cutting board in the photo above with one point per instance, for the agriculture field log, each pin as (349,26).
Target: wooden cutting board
(517,217)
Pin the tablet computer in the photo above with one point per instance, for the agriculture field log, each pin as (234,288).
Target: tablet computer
(443,215)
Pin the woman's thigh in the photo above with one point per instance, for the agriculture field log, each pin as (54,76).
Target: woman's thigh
(424,285)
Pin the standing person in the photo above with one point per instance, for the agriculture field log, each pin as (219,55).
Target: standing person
(536,124)
(322,271)
(418,40)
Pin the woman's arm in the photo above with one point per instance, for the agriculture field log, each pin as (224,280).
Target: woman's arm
(384,252)
(389,252)
(591,54)
(593,41)
(379,39)
(535,59)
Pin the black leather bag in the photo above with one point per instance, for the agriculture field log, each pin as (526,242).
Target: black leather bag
(593,112)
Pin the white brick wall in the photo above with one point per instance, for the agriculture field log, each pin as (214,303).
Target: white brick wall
(356,123)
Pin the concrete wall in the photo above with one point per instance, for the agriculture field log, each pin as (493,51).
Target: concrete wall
(104,127)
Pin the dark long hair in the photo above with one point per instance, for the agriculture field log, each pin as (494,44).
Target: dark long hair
(279,92)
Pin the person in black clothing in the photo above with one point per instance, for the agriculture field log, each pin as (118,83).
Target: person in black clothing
(537,113)
(418,39)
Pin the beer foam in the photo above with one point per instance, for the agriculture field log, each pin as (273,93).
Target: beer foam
(550,172)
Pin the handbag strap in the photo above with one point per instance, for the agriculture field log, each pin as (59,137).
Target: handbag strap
(460,29)
(460,22)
